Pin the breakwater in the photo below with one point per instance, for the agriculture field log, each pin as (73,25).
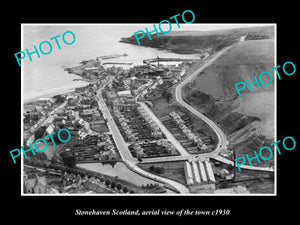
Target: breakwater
(148,61)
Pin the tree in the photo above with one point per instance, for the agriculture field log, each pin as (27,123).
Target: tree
(77,126)
(54,167)
(68,160)
(125,189)
(166,95)
(84,73)
(113,184)
(152,168)
(159,170)
(59,99)
(31,162)
(119,186)
(63,135)
(38,163)
(139,158)
(39,132)
(107,182)
(53,160)
(61,126)
(224,184)
(82,174)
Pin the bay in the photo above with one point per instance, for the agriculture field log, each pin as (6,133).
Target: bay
(45,76)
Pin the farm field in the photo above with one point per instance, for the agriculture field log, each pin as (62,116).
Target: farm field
(215,85)
(242,62)
(260,105)
(248,120)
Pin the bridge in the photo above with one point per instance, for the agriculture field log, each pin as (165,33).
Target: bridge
(101,59)
(204,156)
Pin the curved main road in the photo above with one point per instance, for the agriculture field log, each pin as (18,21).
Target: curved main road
(222,143)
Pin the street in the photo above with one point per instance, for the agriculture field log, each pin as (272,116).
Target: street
(124,151)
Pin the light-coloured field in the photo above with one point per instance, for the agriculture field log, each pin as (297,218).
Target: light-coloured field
(244,61)
(260,105)
(250,52)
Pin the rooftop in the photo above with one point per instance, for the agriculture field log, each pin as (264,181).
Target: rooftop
(126,93)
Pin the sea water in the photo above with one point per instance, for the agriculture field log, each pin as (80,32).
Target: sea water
(45,76)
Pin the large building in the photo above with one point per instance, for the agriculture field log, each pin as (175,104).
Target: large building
(124,104)
(31,111)
(126,93)
(199,173)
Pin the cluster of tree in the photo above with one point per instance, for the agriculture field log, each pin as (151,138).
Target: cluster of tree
(59,167)
(148,186)
(157,170)
(166,95)
(139,157)
(63,135)
(59,99)
(118,186)
(39,133)
(68,159)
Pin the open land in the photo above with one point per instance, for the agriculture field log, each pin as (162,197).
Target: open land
(187,42)
(138,117)
(170,170)
(247,120)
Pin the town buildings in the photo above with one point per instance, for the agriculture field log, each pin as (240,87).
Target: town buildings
(92,141)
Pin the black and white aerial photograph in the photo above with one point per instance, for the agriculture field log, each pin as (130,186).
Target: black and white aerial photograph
(161,113)
(118,109)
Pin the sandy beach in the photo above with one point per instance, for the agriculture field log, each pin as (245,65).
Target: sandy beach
(35,95)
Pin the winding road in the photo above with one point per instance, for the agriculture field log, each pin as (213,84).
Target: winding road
(132,162)
(222,143)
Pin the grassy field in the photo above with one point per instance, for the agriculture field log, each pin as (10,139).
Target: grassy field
(262,30)
(248,120)
(260,105)
(242,62)
(171,170)
(185,42)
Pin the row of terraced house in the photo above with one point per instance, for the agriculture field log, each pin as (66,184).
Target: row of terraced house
(187,131)
(137,127)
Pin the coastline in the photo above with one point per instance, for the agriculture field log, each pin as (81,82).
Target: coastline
(79,79)
(49,93)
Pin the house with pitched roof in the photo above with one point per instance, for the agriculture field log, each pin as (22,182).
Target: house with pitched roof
(35,185)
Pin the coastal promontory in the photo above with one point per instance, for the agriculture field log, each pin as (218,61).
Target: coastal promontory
(193,42)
